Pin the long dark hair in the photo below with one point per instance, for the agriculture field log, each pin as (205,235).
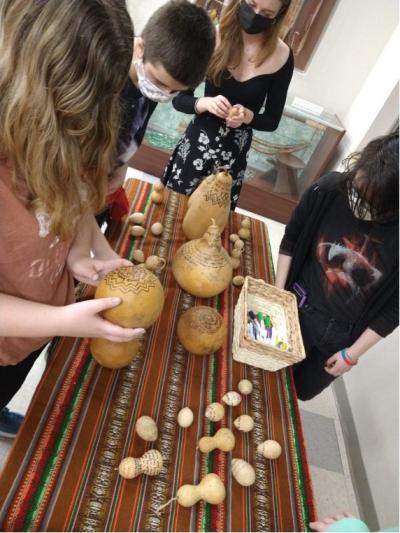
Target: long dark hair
(373,174)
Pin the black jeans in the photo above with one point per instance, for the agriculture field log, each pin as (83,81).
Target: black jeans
(13,376)
(322,336)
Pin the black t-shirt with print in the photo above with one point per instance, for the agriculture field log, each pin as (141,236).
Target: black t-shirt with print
(349,261)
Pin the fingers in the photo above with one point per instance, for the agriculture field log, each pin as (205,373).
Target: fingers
(223,104)
(317,526)
(115,333)
(101,304)
(104,267)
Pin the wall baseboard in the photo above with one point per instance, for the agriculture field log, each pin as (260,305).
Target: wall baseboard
(356,463)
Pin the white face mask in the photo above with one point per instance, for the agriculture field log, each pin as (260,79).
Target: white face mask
(148,88)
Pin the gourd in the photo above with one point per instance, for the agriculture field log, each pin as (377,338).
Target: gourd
(155,263)
(137,218)
(146,428)
(238,281)
(238,245)
(233,237)
(159,187)
(237,253)
(138,256)
(243,472)
(156,197)
(246,223)
(232,398)
(150,463)
(234,112)
(202,267)
(235,262)
(157,228)
(270,449)
(142,300)
(245,386)
(185,417)
(141,294)
(137,231)
(201,330)
(244,423)
(211,489)
(244,233)
(224,440)
(114,354)
(213,201)
(215,412)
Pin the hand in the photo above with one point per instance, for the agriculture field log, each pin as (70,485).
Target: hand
(236,116)
(322,525)
(335,365)
(82,319)
(218,105)
(91,271)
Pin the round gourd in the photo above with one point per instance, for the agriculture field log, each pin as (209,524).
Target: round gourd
(137,218)
(235,263)
(270,449)
(233,237)
(232,398)
(141,294)
(237,253)
(138,256)
(114,354)
(202,267)
(157,228)
(246,223)
(137,231)
(244,233)
(156,197)
(238,281)
(243,472)
(244,423)
(185,417)
(239,244)
(146,428)
(155,263)
(245,386)
(201,330)
(215,412)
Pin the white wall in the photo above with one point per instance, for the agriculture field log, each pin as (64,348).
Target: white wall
(373,391)
(348,50)
(141,10)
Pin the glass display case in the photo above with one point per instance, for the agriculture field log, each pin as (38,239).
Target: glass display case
(281,164)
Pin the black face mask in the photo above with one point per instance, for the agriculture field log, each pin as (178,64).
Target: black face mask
(251,22)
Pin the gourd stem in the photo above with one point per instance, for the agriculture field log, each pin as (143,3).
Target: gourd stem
(165,504)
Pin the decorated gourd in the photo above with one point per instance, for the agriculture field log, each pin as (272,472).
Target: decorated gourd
(243,472)
(215,412)
(202,267)
(150,463)
(114,354)
(270,449)
(201,330)
(141,294)
(212,201)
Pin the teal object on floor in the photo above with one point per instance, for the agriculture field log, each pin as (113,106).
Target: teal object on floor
(353,524)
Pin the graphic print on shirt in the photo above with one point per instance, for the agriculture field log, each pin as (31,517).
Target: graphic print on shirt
(352,265)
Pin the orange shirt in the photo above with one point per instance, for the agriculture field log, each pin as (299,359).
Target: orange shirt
(32,262)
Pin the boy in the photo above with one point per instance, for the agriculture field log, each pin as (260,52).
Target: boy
(171,56)
(339,255)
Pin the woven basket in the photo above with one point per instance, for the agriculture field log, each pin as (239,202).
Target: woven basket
(281,306)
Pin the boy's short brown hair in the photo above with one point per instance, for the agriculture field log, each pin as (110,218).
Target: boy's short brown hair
(181,37)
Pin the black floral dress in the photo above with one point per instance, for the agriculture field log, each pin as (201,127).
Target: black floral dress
(208,143)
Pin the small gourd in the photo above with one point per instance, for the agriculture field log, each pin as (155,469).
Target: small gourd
(270,449)
(243,472)
(156,197)
(224,440)
(236,253)
(246,223)
(244,233)
(235,263)
(159,187)
(245,386)
(155,263)
(232,398)
(239,244)
(138,256)
(157,228)
(185,417)
(244,423)
(210,489)
(215,412)
(201,330)
(233,237)
(150,463)
(146,428)
(238,281)
(137,218)
(137,231)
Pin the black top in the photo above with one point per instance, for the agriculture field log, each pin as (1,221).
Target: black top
(136,111)
(349,261)
(323,217)
(251,93)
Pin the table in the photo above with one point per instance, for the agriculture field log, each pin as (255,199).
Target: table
(60,475)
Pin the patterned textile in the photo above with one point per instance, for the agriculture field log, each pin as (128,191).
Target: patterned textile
(61,474)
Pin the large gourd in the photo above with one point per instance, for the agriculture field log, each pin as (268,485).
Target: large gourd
(202,267)
(212,199)
(201,330)
(142,300)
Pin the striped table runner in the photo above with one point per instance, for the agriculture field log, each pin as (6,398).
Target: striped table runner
(61,475)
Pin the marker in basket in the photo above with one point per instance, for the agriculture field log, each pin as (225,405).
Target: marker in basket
(255,325)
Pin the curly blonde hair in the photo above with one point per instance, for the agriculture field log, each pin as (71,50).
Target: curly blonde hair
(63,64)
